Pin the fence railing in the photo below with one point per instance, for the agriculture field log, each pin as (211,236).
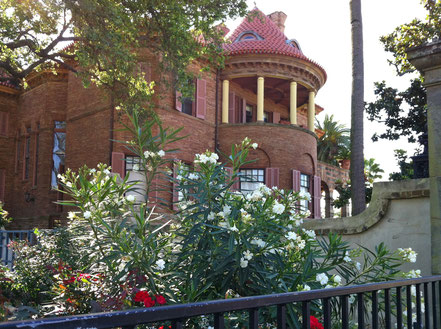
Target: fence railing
(392,302)
(6,237)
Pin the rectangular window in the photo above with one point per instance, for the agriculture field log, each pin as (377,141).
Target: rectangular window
(250,179)
(133,163)
(305,184)
(27,153)
(187,105)
(58,151)
(249,114)
(36,145)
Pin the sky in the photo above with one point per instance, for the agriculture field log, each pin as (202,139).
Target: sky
(323,30)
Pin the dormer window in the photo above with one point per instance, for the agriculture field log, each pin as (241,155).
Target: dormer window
(294,43)
(248,36)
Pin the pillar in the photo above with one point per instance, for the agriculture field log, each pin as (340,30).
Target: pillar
(293,103)
(225,95)
(260,98)
(311,111)
(427,59)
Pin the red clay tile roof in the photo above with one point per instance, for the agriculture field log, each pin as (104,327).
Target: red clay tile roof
(273,42)
(7,83)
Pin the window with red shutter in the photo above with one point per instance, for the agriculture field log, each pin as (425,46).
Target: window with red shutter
(236,183)
(276,117)
(296,180)
(317,194)
(272,177)
(201,98)
(118,163)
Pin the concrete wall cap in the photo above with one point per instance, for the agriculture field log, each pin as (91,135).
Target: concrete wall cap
(382,193)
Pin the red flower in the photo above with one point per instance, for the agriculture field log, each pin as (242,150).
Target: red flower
(315,324)
(149,302)
(141,296)
(160,299)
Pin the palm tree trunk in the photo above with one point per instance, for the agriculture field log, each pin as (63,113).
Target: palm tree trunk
(357,110)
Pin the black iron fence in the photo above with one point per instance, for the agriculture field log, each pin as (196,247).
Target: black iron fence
(396,297)
(6,237)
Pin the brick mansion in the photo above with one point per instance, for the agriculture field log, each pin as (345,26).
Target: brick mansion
(266,91)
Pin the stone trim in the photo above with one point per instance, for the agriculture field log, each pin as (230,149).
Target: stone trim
(268,124)
(382,194)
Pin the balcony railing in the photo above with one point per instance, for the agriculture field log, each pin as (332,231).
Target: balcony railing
(392,303)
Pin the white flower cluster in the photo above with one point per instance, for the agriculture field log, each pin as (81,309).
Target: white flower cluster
(305,195)
(296,241)
(207,157)
(259,242)
(152,155)
(330,283)
(408,254)
(247,256)
(412,274)
(278,208)
(160,263)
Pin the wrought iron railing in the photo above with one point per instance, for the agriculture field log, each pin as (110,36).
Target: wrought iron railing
(6,237)
(392,298)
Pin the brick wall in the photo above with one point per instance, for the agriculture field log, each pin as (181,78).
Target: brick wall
(280,146)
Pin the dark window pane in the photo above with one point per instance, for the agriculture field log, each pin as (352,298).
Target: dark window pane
(187,105)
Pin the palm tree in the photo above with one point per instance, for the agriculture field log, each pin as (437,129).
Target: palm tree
(335,138)
(357,108)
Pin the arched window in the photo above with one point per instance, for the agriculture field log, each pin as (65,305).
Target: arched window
(293,43)
(248,36)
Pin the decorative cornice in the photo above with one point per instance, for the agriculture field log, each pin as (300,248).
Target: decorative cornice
(282,67)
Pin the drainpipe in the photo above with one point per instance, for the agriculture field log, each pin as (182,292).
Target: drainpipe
(216,122)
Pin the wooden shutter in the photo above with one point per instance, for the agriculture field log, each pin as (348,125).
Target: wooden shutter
(317,194)
(178,103)
(4,123)
(232,108)
(201,98)
(118,164)
(276,117)
(2,184)
(296,180)
(236,184)
(272,177)
(175,192)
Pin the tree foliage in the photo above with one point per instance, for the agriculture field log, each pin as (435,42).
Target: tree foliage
(404,113)
(108,35)
(335,139)
(413,34)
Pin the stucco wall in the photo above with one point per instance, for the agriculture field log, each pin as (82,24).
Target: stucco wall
(399,216)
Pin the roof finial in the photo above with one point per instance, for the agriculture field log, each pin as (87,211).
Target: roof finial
(255,5)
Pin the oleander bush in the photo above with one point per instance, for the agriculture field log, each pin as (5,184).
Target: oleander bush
(119,252)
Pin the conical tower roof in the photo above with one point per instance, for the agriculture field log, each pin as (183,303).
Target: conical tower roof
(258,34)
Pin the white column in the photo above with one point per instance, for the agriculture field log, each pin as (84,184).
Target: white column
(225,95)
(293,103)
(260,98)
(311,111)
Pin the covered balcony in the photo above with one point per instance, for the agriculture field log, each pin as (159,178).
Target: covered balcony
(274,89)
